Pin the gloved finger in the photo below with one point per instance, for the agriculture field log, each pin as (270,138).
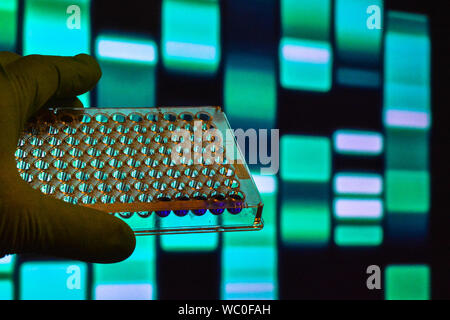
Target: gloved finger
(69,103)
(7,57)
(36,79)
(55,228)
(65,103)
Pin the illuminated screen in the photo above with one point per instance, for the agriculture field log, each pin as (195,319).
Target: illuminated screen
(338,97)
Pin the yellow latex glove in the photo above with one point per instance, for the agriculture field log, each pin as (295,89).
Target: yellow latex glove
(31,222)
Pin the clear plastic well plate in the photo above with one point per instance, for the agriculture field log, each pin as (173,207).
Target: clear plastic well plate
(161,170)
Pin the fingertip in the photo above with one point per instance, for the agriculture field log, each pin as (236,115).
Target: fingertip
(91,64)
(123,240)
(116,239)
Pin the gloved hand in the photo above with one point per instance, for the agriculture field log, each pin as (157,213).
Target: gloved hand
(31,222)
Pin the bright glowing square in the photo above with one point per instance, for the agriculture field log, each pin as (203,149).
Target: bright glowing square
(305,158)
(407,119)
(53,281)
(123,292)
(407,191)
(358,142)
(407,282)
(305,223)
(6,289)
(129,71)
(305,64)
(190,36)
(250,84)
(346,208)
(355,183)
(8,24)
(129,50)
(358,235)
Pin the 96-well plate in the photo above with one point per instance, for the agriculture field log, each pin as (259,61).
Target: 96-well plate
(161,170)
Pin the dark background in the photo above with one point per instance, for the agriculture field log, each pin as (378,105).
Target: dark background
(333,272)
